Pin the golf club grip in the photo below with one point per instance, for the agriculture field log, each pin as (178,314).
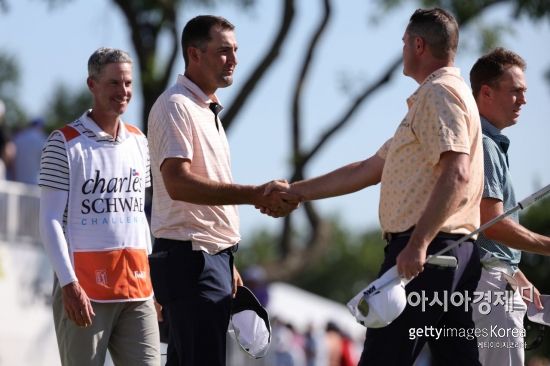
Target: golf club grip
(534,197)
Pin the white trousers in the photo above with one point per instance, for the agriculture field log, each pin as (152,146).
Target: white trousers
(499,326)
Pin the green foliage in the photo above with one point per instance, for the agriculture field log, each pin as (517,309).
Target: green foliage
(349,264)
(537,217)
(66,105)
(261,248)
(9,74)
(9,83)
(537,267)
(491,36)
(534,9)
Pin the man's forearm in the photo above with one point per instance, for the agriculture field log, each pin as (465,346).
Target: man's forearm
(347,179)
(514,235)
(202,191)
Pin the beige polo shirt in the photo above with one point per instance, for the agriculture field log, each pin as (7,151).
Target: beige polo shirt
(442,117)
(181,125)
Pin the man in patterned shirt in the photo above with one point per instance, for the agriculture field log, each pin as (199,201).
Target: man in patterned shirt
(431,175)
(93,176)
(499,86)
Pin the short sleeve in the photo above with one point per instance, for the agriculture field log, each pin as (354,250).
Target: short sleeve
(383,150)
(54,163)
(176,134)
(442,123)
(493,170)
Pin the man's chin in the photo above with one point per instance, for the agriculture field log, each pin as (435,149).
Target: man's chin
(120,110)
(226,81)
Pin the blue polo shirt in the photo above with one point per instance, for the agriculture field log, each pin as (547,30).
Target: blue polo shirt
(498,185)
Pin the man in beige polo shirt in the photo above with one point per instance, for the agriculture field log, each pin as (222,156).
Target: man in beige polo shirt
(431,175)
(195,219)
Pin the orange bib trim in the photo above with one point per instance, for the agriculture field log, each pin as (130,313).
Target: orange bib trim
(114,275)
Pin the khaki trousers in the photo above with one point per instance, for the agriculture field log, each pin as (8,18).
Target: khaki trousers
(129,330)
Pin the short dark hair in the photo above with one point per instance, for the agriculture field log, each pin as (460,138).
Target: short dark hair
(439,30)
(489,68)
(196,32)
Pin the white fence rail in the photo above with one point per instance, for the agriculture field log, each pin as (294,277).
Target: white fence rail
(19,207)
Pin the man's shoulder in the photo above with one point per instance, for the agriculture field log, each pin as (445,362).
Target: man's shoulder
(493,157)
(175,94)
(179,93)
(489,145)
(450,83)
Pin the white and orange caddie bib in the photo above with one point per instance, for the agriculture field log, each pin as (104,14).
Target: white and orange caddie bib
(107,230)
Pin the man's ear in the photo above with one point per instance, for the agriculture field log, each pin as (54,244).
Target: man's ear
(486,91)
(90,82)
(193,53)
(419,45)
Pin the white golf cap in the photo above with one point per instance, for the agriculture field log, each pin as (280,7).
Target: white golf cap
(540,316)
(381,302)
(250,323)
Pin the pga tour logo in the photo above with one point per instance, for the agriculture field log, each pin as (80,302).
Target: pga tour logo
(101,277)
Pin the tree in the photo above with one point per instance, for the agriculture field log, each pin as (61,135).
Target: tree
(360,254)
(148,20)
(537,267)
(66,105)
(9,83)
(294,258)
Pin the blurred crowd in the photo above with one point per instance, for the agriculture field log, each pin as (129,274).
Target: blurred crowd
(20,149)
(315,346)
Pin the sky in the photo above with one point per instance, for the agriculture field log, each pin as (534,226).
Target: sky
(53,46)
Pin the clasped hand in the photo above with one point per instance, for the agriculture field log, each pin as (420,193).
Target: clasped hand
(277,199)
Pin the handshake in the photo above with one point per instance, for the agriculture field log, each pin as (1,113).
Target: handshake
(277,199)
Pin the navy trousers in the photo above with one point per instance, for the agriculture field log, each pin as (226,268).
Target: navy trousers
(399,343)
(196,304)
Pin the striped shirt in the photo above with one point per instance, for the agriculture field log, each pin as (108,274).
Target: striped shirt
(181,125)
(54,163)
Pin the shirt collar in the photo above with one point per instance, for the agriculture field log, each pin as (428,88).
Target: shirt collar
(495,134)
(92,126)
(443,71)
(196,91)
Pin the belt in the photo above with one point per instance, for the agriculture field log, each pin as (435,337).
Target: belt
(491,263)
(163,244)
(393,236)
(405,234)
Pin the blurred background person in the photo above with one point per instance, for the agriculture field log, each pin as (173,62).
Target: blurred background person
(7,148)
(28,149)
(255,279)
